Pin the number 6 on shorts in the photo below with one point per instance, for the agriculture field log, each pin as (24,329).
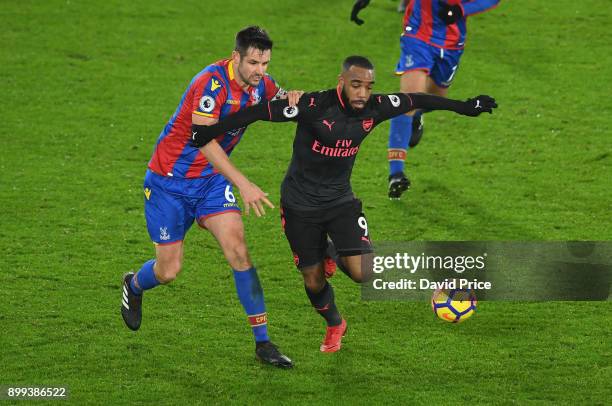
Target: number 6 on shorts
(229,195)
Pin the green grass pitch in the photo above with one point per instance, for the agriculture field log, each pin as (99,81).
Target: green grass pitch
(85,88)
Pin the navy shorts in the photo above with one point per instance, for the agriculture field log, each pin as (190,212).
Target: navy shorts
(172,205)
(440,64)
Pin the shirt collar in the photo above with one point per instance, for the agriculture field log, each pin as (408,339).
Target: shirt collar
(344,103)
(233,81)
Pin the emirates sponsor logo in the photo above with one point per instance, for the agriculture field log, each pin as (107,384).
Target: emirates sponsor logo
(342,149)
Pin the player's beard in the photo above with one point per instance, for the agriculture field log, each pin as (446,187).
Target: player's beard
(347,101)
(252,80)
(360,106)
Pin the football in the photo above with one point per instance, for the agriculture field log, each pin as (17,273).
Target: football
(455,305)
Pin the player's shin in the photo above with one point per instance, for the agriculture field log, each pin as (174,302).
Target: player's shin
(144,279)
(399,138)
(251,296)
(417,128)
(324,304)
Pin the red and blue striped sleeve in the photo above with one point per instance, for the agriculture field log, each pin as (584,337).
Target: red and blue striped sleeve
(471,7)
(209,95)
(273,89)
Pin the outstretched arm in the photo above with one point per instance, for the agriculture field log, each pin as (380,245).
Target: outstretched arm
(471,107)
(203,134)
(393,105)
(276,110)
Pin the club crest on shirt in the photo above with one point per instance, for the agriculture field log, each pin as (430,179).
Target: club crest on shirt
(207,104)
(367,124)
(255,96)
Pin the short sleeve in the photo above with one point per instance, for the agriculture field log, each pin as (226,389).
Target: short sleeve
(391,105)
(209,94)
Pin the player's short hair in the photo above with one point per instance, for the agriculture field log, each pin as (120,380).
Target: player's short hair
(252,36)
(356,60)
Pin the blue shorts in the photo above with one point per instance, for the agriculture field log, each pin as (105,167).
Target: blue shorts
(172,205)
(440,64)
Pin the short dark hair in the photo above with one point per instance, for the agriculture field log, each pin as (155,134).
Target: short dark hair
(356,60)
(252,36)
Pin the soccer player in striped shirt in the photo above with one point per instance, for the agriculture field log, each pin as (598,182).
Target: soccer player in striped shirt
(181,186)
(431,44)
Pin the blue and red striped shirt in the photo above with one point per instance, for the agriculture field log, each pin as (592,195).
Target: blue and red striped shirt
(212,93)
(421,21)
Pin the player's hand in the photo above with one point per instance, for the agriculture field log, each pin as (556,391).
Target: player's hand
(450,14)
(477,105)
(254,198)
(357,7)
(293,96)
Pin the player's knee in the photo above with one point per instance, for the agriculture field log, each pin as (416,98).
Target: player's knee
(356,276)
(362,271)
(167,271)
(361,276)
(314,281)
(237,253)
(314,285)
(355,273)
(367,268)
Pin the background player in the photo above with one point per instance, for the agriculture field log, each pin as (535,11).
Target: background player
(432,43)
(316,195)
(182,186)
